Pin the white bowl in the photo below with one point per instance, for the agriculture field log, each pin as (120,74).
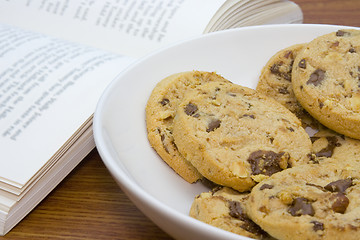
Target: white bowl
(119,120)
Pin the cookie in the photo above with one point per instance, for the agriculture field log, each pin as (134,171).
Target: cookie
(326,80)
(225,208)
(275,82)
(160,112)
(330,144)
(312,201)
(235,136)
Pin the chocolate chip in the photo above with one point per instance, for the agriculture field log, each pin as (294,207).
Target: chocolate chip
(335,44)
(283,90)
(302,64)
(265,162)
(287,76)
(236,211)
(288,54)
(301,206)
(164,102)
(318,226)
(339,185)
(329,150)
(209,184)
(275,68)
(252,227)
(191,109)
(214,124)
(341,33)
(316,77)
(266,186)
(352,50)
(340,203)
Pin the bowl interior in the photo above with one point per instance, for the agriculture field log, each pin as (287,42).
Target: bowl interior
(119,122)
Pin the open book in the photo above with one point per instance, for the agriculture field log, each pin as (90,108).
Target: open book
(56,58)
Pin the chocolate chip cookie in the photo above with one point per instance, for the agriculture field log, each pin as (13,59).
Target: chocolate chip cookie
(275,82)
(236,137)
(225,208)
(326,80)
(312,201)
(160,112)
(329,144)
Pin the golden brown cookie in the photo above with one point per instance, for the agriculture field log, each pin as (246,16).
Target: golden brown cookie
(225,208)
(312,201)
(326,80)
(160,112)
(275,82)
(235,136)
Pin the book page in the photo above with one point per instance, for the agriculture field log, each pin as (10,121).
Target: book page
(133,28)
(48,89)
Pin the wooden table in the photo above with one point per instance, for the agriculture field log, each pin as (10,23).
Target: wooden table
(89,205)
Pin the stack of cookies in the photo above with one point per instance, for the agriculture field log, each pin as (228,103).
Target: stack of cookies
(274,178)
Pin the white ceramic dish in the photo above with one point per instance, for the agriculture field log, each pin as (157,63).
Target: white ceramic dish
(119,121)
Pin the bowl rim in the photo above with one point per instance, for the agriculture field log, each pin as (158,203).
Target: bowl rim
(134,191)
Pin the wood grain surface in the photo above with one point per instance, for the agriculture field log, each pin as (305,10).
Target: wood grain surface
(88,204)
